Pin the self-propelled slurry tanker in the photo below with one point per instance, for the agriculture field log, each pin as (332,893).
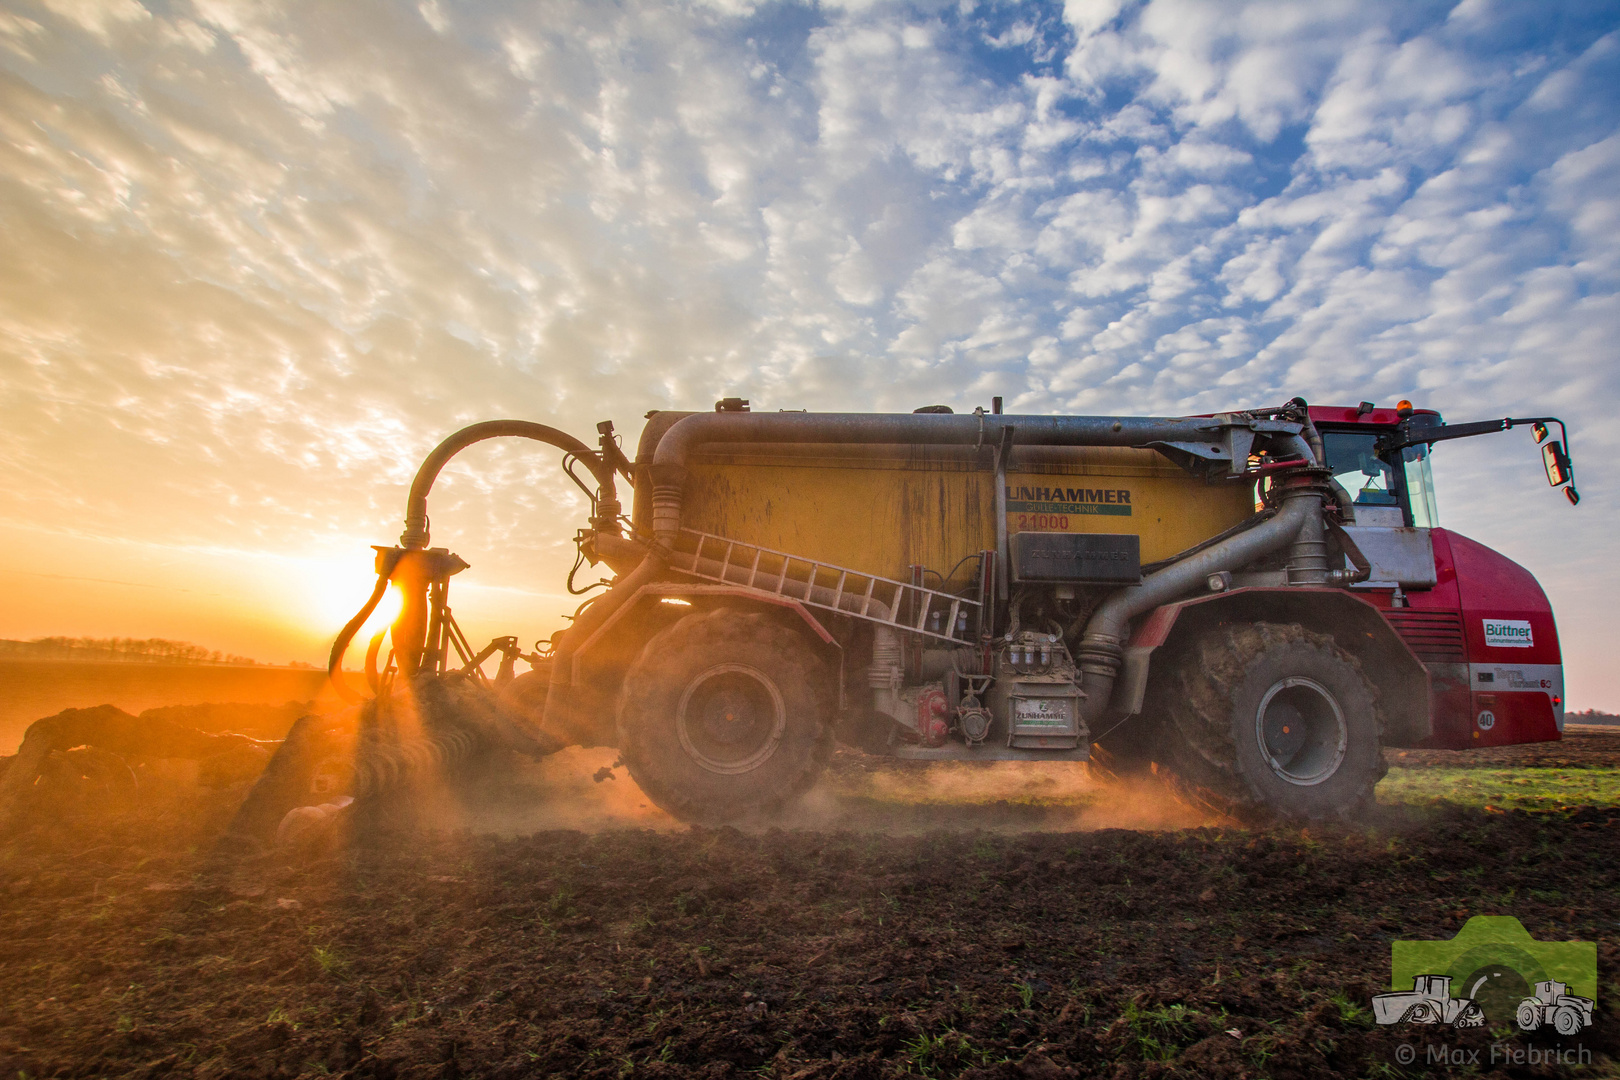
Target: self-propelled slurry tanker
(1257,601)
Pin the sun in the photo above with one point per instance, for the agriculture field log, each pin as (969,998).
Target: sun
(334,590)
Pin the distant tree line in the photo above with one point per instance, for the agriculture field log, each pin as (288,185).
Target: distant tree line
(1591,716)
(133,650)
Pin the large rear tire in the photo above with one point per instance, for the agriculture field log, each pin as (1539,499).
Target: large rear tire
(725,714)
(1271,719)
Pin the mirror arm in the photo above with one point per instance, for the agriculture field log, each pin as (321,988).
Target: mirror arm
(1388,446)
(1424,436)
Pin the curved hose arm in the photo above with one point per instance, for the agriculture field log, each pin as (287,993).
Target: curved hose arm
(416,533)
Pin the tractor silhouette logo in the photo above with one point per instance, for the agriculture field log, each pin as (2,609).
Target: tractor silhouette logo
(1499,973)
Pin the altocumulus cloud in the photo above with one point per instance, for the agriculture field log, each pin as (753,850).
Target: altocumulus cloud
(258,257)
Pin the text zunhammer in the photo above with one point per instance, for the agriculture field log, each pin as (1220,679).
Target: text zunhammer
(1070,495)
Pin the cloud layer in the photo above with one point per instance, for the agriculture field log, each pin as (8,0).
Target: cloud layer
(259,257)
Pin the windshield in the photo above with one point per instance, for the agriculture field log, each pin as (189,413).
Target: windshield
(1381,494)
(1420,487)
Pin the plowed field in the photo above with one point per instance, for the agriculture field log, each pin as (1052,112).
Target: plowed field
(909,922)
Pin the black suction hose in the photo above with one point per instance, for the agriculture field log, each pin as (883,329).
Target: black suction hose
(416,519)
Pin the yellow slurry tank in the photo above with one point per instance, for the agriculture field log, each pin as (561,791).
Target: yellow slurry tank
(884,509)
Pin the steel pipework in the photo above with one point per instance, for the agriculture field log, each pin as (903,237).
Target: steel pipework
(1102,642)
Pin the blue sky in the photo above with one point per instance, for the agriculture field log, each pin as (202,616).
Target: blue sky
(259,257)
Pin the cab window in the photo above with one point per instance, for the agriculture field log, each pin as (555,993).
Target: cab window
(1382,494)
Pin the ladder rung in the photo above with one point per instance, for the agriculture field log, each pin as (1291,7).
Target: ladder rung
(801,584)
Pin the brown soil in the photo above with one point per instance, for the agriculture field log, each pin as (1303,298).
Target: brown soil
(948,940)
(30,689)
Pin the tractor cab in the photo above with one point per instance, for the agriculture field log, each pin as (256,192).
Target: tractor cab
(1479,622)
(1380,457)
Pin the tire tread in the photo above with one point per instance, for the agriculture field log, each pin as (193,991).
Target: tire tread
(1196,702)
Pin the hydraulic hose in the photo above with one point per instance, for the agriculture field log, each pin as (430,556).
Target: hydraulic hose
(416,535)
(386,561)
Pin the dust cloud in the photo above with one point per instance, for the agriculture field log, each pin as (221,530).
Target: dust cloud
(876,794)
(562,792)
(858,793)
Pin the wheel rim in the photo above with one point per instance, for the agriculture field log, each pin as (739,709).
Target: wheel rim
(1301,731)
(731,718)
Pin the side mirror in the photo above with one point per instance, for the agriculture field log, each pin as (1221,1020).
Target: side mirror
(1556,462)
(1540,431)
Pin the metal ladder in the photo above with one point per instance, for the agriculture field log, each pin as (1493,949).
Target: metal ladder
(910,608)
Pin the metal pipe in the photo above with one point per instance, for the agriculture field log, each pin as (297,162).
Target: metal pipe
(416,517)
(1295,445)
(1102,644)
(1003,456)
(1313,438)
(1308,555)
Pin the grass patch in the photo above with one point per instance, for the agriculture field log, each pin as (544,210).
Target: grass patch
(331,962)
(947,1053)
(1351,1010)
(1509,789)
(1161,1031)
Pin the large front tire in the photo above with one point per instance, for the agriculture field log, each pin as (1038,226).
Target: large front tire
(725,715)
(1273,719)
